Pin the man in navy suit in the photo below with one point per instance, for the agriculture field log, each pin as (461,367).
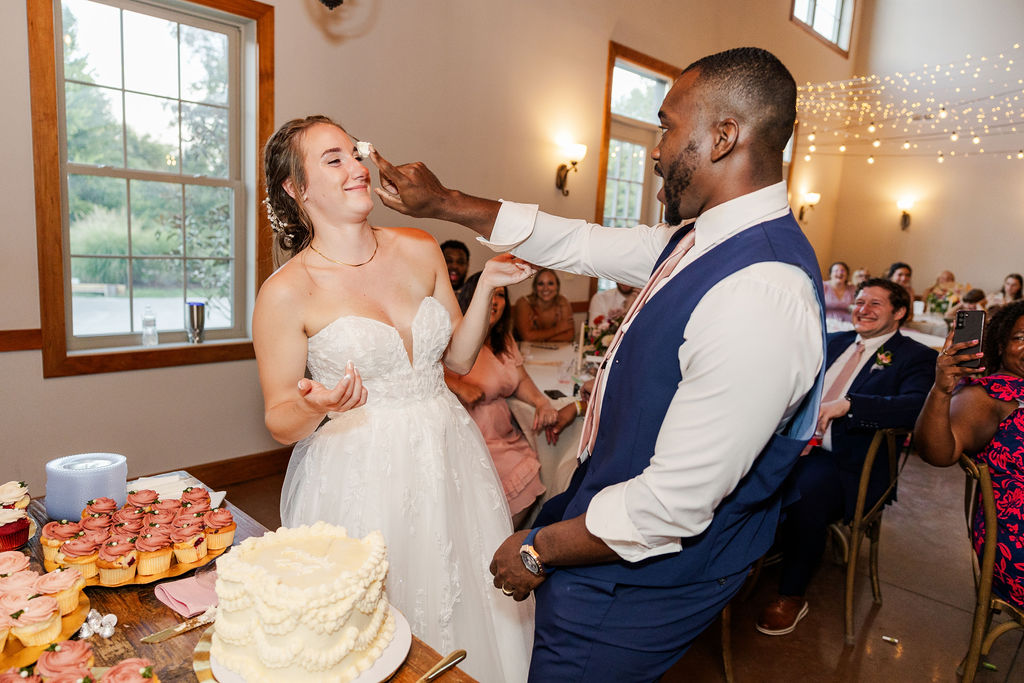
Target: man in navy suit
(876,378)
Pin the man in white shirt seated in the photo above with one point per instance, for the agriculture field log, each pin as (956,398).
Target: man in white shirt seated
(611,303)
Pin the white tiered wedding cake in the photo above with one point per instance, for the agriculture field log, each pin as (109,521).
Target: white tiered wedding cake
(302,604)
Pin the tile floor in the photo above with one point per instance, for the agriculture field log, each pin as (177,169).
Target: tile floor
(927,591)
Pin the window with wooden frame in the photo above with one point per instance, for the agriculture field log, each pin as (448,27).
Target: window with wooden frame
(147,122)
(828,20)
(627,187)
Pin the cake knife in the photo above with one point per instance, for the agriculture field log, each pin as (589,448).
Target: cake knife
(206,617)
(447,662)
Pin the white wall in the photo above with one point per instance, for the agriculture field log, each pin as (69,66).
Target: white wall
(968,217)
(477,88)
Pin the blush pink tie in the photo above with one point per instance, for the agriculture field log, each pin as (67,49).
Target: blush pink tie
(593,417)
(835,389)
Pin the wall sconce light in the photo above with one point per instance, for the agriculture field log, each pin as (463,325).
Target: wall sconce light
(810,200)
(574,152)
(905,205)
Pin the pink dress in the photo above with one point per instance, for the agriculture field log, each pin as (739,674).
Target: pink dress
(838,307)
(517,463)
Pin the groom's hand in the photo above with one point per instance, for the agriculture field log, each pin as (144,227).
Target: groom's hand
(509,572)
(412,189)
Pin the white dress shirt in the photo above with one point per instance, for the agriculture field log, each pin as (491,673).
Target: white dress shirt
(608,302)
(753,350)
(871,347)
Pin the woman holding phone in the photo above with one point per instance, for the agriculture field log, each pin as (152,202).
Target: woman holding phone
(983,417)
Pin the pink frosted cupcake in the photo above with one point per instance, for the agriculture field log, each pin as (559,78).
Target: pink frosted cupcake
(220,529)
(143,498)
(64,585)
(100,506)
(202,506)
(18,583)
(96,536)
(135,670)
(97,523)
(132,527)
(54,534)
(81,554)
(195,494)
(164,517)
(154,553)
(171,504)
(117,561)
(13,528)
(5,630)
(66,658)
(36,621)
(15,676)
(12,561)
(14,494)
(128,514)
(189,544)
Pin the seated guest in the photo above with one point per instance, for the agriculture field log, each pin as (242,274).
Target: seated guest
(544,315)
(982,417)
(876,378)
(612,303)
(838,293)
(456,257)
(859,276)
(945,291)
(569,412)
(497,374)
(1013,284)
(973,300)
(900,273)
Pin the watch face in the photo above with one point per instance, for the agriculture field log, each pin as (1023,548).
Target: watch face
(530,562)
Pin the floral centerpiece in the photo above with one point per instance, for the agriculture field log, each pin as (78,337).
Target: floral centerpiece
(940,301)
(600,333)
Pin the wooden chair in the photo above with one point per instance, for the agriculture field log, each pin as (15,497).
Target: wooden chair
(868,522)
(983,634)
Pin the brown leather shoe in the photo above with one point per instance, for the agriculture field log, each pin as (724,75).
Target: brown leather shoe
(781,616)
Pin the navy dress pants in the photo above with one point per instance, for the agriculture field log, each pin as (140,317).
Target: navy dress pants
(594,630)
(804,528)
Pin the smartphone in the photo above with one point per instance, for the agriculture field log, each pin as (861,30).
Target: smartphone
(969,325)
(554,393)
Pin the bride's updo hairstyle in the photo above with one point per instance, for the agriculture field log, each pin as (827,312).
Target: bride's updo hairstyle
(282,159)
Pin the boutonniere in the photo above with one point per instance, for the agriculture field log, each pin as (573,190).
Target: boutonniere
(883,359)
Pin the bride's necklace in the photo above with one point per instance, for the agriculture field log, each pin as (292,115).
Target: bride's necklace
(350,265)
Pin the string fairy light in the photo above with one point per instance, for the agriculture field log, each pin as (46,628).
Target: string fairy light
(920,113)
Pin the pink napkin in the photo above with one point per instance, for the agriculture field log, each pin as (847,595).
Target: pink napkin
(189,597)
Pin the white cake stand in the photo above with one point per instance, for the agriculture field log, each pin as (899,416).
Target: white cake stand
(385,666)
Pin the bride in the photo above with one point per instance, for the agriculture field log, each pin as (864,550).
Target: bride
(370,311)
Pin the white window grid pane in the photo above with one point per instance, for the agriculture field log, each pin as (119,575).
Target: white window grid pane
(222,313)
(624,184)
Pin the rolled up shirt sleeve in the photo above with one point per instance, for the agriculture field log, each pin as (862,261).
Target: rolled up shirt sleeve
(753,350)
(575,246)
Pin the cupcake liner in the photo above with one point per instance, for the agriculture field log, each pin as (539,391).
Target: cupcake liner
(42,633)
(218,539)
(117,575)
(155,562)
(191,552)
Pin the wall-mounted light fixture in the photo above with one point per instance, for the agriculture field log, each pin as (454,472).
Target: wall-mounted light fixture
(905,205)
(574,153)
(810,200)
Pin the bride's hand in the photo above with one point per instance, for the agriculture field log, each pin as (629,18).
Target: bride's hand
(349,393)
(544,416)
(504,270)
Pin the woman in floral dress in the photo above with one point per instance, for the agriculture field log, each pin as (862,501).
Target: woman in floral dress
(982,416)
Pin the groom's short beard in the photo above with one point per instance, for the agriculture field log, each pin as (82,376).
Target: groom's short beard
(677,180)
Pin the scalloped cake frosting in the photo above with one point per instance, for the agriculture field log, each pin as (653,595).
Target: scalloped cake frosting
(302,604)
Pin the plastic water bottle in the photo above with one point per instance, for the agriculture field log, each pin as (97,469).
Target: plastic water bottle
(149,336)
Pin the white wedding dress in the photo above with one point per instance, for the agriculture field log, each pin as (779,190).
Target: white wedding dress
(411,463)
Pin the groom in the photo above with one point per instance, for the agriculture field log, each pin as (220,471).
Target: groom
(704,402)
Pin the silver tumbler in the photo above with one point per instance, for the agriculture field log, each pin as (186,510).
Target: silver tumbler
(196,322)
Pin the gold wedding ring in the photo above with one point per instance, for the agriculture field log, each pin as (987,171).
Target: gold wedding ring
(506,591)
(945,352)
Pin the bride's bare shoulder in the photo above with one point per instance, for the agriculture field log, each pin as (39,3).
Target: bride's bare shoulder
(284,286)
(412,240)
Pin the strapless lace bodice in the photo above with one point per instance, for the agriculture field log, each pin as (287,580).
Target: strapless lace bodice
(377,351)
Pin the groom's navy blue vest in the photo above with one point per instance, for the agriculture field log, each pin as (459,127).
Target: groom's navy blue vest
(640,385)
